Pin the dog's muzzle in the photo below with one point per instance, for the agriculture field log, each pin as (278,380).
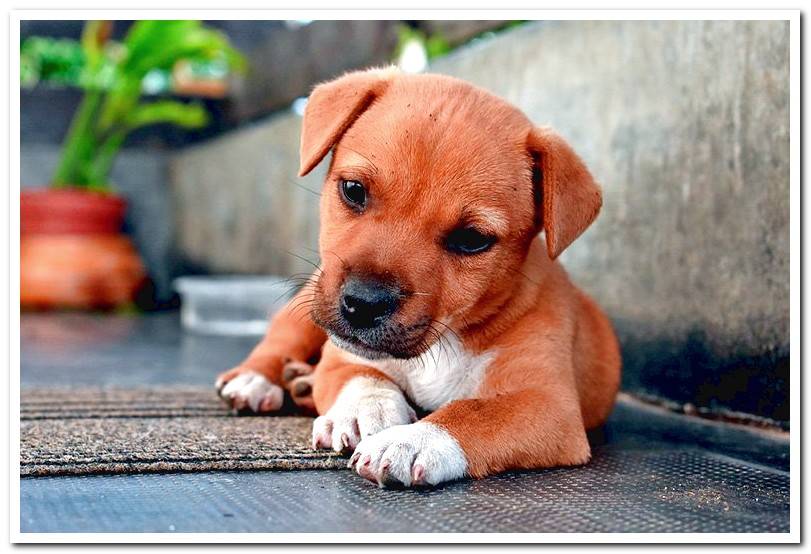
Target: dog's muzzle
(367,303)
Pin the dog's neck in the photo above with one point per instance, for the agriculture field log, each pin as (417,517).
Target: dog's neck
(498,313)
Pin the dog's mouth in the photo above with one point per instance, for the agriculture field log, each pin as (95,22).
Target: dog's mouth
(393,342)
(392,338)
(357,347)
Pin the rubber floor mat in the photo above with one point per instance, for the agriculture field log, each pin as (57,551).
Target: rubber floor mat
(621,490)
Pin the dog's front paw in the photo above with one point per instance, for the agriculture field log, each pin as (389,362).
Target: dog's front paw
(409,455)
(249,390)
(364,406)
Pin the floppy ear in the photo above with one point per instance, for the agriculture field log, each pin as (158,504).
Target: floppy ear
(569,197)
(331,110)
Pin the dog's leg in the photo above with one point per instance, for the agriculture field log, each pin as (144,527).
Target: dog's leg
(531,428)
(256,383)
(355,402)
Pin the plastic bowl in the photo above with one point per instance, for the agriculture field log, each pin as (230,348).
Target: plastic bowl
(225,305)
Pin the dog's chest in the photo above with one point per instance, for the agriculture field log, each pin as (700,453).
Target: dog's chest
(444,373)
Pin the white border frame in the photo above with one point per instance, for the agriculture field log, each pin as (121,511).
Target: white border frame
(793,16)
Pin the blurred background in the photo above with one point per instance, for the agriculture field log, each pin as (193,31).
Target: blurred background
(195,126)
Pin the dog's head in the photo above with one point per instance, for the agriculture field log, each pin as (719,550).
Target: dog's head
(435,191)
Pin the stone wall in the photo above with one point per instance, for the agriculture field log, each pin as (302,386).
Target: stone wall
(686,126)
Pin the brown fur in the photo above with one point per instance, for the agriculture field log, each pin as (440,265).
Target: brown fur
(434,151)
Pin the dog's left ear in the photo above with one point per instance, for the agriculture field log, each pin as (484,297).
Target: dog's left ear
(333,107)
(568,197)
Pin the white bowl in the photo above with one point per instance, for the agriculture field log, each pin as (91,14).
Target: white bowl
(231,305)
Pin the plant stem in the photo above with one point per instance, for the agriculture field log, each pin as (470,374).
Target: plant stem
(105,156)
(79,143)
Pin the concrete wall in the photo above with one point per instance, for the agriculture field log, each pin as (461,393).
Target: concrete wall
(686,126)
(240,206)
(285,60)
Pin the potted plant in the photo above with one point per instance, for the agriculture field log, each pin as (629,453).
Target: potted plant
(72,251)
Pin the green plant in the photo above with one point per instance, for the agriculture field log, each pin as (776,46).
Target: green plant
(113,75)
(435,44)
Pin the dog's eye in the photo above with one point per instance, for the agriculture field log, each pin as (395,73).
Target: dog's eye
(468,240)
(353,193)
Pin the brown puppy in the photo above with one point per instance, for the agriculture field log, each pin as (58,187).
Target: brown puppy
(435,290)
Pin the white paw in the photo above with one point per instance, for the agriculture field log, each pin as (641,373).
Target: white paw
(364,406)
(407,455)
(253,391)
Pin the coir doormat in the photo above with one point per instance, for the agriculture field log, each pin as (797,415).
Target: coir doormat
(170,429)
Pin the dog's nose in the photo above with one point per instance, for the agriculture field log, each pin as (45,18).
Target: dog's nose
(367,303)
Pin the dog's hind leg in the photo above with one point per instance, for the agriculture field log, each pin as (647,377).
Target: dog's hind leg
(298,377)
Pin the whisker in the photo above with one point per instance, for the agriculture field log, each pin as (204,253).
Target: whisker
(302,258)
(447,347)
(306,303)
(439,340)
(286,292)
(313,250)
(371,163)
(297,282)
(299,185)
(525,276)
(302,301)
(447,328)
(425,348)
(343,262)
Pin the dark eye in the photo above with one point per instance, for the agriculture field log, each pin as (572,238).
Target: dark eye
(353,193)
(468,240)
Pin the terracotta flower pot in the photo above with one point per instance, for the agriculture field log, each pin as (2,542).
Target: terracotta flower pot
(72,251)
(70,211)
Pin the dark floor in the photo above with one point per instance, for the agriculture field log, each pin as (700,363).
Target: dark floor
(652,471)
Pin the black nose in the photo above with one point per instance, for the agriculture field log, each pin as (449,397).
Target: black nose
(367,303)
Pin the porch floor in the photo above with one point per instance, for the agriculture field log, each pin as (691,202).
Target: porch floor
(652,471)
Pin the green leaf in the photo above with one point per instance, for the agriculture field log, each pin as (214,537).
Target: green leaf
(149,36)
(195,44)
(58,61)
(190,116)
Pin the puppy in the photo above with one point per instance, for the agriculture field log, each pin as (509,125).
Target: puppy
(435,293)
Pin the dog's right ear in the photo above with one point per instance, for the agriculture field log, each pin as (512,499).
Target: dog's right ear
(333,107)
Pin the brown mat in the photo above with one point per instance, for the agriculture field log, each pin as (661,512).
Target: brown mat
(91,431)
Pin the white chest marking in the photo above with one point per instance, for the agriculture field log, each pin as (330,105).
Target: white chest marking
(444,373)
